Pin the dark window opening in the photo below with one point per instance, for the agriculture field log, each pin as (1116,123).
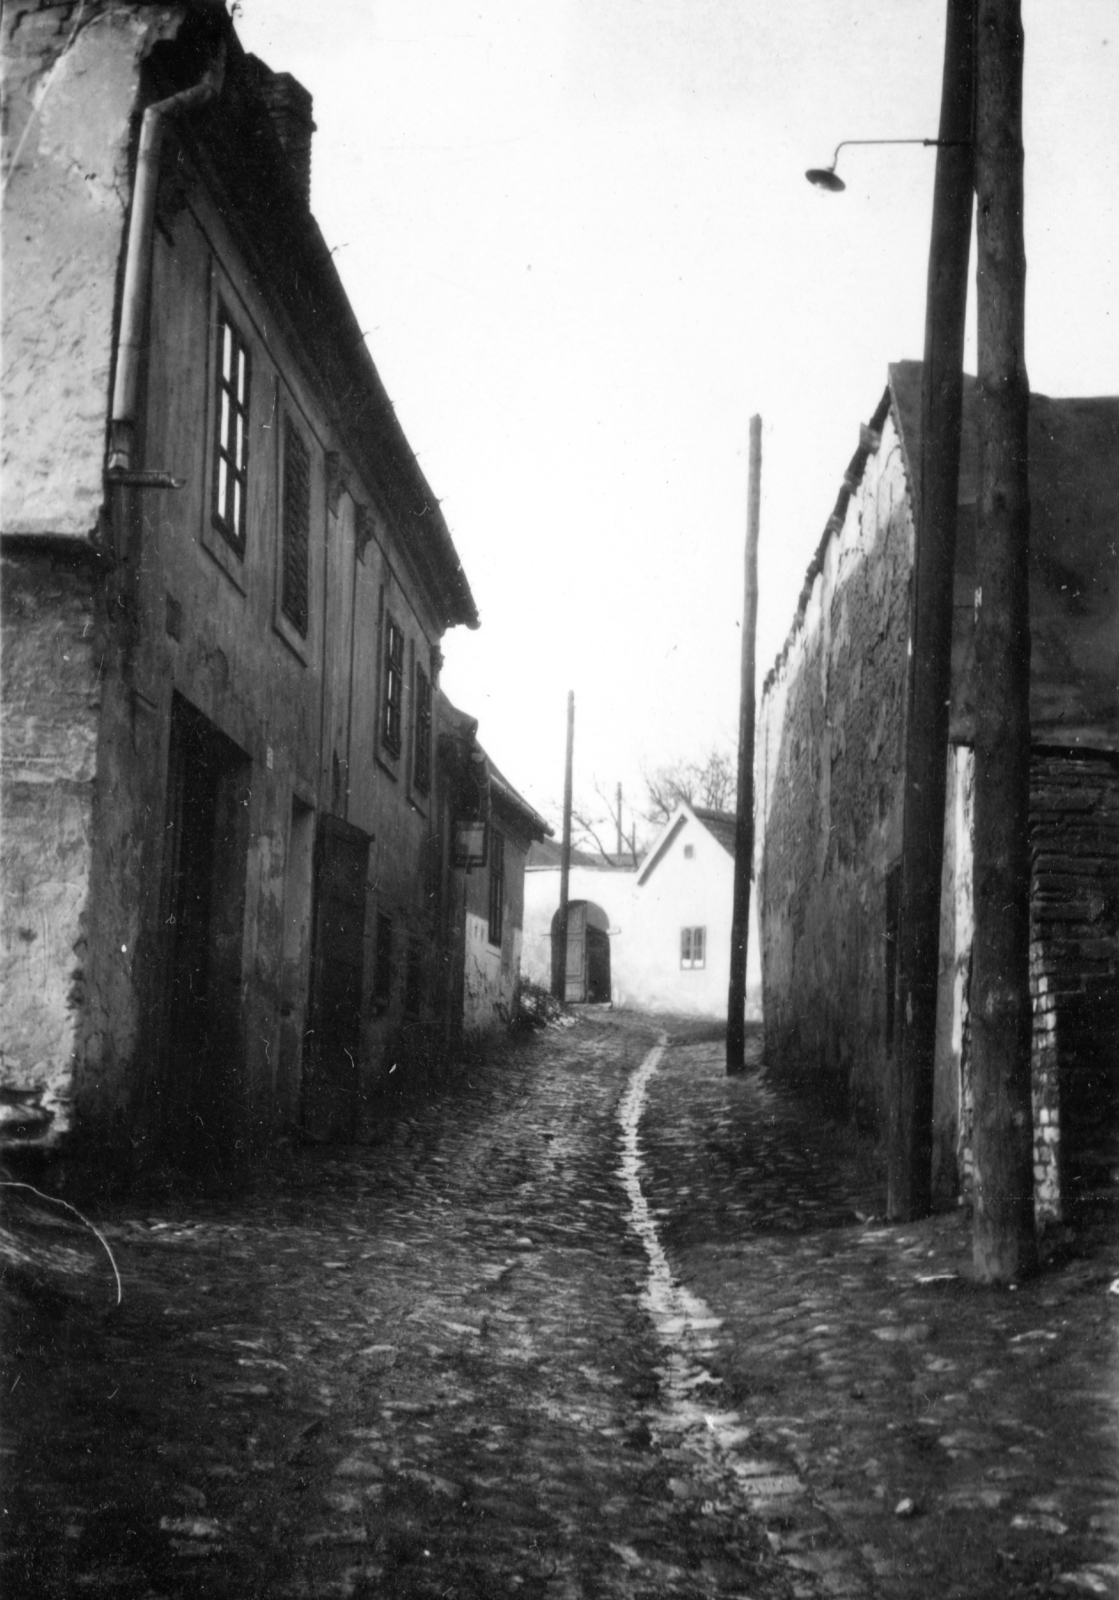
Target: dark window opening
(295,587)
(893,923)
(413,979)
(422,766)
(497,886)
(393,718)
(231,449)
(693,947)
(382,963)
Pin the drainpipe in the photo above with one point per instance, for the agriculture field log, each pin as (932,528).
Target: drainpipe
(138,261)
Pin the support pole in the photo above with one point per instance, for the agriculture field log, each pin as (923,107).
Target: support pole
(910,1100)
(1004,1240)
(559,962)
(744,818)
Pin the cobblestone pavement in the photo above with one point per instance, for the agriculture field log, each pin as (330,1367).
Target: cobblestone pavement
(590,1324)
(962,1439)
(422,1369)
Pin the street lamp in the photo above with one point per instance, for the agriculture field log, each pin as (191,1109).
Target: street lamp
(827,177)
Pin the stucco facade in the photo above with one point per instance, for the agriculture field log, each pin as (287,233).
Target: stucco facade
(228,896)
(830,784)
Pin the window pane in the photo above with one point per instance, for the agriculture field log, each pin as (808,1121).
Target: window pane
(237,524)
(242,375)
(698,939)
(223,426)
(223,487)
(226,351)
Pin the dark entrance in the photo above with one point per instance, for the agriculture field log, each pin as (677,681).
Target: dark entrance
(333,1041)
(588,952)
(204,915)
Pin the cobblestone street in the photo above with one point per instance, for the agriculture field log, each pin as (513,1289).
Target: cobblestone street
(460,1363)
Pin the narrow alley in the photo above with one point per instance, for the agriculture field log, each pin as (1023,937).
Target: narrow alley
(601,1322)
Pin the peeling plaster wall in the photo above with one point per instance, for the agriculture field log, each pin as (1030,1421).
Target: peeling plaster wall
(828,777)
(50,647)
(493,972)
(71,79)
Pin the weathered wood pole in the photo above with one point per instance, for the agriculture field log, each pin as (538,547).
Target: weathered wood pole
(1004,1240)
(910,1101)
(744,817)
(559,961)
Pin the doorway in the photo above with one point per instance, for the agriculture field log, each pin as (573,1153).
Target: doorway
(332,1048)
(588,953)
(204,917)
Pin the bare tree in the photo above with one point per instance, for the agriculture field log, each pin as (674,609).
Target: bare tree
(600,819)
(710,783)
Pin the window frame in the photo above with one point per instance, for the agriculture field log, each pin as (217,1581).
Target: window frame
(693,948)
(392,697)
(295,449)
(233,531)
(495,927)
(422,729)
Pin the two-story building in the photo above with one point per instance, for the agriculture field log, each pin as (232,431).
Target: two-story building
(229,904)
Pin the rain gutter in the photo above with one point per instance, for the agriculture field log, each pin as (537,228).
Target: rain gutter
(138,263)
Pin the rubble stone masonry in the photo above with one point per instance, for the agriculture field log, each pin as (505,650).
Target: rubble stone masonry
(829,787)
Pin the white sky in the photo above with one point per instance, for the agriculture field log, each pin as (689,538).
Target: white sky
(579,237)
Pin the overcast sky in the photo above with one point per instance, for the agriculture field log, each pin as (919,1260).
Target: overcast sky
(580,240)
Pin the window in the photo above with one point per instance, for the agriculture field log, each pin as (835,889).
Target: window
(422,766)
(414,979)
(392,723)
(693,947)
(689,852)
(497,886)
(382,963)
(294,583)
(893,923)
(231,453)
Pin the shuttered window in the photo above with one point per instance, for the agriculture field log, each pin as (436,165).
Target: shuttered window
(422,767)
(497,886)
(231,445)
(294,594)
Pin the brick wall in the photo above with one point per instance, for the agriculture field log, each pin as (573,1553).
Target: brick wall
(1074,969)
(829,786)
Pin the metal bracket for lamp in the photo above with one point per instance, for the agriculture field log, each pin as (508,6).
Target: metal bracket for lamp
(828,178)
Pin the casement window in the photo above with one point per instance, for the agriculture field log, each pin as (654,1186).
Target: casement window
(421,767)
(382,963)
(231,445)
(693,947)
(296,531)
(392,718)
(497,886)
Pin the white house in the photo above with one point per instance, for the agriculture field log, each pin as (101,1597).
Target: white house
(656,936)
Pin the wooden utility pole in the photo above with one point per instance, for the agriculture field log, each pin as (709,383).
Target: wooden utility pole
(1005,1244)
(910,1100)
(744,818)
(559,960)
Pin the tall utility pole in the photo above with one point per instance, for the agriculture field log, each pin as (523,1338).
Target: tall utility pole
(744,818)
(910,1101)
(559,959)
(1005,1244)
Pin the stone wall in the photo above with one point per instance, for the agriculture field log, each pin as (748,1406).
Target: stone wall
(52,633)
(828,782)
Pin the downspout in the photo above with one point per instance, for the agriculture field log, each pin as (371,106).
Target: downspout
(138,261)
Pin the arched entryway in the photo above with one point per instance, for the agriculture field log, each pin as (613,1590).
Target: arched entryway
(588,952)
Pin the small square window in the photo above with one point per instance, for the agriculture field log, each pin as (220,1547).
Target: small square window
(689,852)
(693,947)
